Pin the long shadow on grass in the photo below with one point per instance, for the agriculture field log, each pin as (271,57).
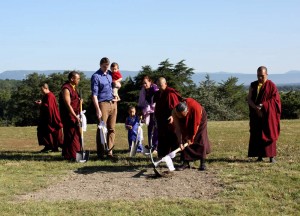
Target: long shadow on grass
(228,160)
(109,169)
(30,156)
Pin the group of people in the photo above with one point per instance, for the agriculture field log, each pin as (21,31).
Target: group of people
(172,121)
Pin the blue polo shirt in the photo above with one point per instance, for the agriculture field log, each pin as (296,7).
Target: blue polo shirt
(101,85)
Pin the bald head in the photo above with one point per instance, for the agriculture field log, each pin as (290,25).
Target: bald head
(45,88)
(162,83)
(262,74)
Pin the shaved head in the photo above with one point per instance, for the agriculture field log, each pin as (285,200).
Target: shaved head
(45,88)
(162,83)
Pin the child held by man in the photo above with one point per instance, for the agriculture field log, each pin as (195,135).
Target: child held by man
(116,80)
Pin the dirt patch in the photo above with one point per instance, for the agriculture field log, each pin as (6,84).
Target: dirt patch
(93,183)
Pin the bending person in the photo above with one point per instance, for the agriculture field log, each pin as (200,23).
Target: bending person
(190,121)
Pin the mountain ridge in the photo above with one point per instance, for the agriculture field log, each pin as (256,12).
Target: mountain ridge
(289,77)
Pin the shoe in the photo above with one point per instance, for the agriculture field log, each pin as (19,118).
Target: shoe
(259,159)
(55,150)
(101,157)
(113,158)
(72,160)
(202,167)
(45,150)
(272,160)
(183,166)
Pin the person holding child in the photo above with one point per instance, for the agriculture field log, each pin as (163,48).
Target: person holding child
(106,108)
(132,125)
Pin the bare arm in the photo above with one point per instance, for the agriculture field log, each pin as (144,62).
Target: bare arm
(67,100)
(96,104)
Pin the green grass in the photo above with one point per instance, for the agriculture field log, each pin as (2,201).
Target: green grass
(249,188)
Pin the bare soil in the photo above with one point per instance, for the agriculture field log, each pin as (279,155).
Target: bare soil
(112,183)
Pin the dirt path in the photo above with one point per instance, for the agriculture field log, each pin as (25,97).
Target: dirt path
(94,184)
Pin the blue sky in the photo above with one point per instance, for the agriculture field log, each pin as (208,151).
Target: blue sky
(212,36)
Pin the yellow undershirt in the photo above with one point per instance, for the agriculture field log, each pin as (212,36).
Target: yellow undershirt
(258,88)
(73,86)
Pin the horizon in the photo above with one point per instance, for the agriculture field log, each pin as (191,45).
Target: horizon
(221,72)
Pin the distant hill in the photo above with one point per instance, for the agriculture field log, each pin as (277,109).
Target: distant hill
(291,77)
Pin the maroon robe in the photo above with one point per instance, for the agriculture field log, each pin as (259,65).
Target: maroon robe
(49,131)
(165,101)
(70,125)
(193,127)
(264,131)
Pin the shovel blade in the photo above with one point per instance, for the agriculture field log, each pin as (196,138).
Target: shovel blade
(82,156)
(169,163)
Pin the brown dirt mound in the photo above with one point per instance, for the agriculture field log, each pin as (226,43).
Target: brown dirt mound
(134,184)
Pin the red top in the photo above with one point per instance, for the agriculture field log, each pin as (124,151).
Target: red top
(165,102)
(190,124)
(116,75)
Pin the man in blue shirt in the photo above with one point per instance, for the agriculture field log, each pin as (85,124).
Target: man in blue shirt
(106,108)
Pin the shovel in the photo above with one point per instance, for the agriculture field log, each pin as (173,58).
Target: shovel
(82,156)
(139,138)
(168,159)
(103,136)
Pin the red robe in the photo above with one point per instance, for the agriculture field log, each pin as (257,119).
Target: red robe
(264,131)
(71,128)
(165,102)
(49,131)
(193,127)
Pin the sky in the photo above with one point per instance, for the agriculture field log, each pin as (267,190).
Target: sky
(211,36)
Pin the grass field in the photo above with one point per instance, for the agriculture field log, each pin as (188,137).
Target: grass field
(248,187)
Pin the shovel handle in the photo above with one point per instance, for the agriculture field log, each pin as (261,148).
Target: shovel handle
(179,149)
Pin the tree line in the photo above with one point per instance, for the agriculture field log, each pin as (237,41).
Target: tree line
(223,101)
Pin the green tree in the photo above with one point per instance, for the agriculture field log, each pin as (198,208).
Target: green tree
(208,97)
(290,104)
(234,97)
(23,110)
(6,89)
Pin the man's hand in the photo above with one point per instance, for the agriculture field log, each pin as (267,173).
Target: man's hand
(38,102)
(129,127)
(170,119)
(99,114)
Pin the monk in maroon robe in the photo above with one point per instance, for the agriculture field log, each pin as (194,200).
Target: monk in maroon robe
(190,121)
(265,109)
(49,130)
(166,99)
(69,102)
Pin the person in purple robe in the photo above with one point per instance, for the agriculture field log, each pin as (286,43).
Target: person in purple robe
(147,105)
